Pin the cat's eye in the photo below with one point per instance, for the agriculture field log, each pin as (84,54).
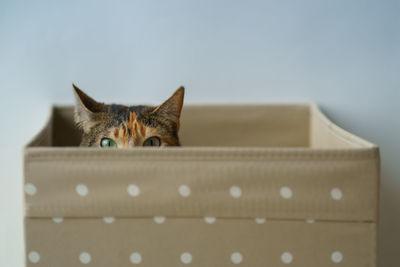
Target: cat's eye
(152,141)
(107,142)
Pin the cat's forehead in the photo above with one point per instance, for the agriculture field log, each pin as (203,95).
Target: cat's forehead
(132,130)
(122,114)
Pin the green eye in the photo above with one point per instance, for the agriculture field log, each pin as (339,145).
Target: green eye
(107,142)
(152,141)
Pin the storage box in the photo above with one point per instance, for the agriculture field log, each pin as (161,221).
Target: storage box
(253,185)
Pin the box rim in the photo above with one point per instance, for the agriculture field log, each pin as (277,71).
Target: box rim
(314,109)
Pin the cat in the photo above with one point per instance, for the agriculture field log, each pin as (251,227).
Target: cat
(119,126)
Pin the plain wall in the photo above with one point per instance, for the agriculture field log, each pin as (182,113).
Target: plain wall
(344,55)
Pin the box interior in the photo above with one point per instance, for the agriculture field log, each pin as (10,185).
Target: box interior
(272,125)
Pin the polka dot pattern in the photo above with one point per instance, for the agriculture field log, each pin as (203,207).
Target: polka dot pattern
(337,256)
(135,258)
(210,219)
(133,190)
(159,219)
(30,189)
(286,192)
(85,258)
(184,190)
(82,190)
(109,219)
(336,194)
(58,219)
(34,256)
(235,191)
(236,258)
(260,220)
(186,258)
(287,257)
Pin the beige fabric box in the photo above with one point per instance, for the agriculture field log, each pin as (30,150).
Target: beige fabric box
(253,185)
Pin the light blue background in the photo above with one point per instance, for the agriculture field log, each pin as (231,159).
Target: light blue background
(342,54)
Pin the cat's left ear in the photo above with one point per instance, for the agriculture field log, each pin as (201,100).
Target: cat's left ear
(86,109)
(172,107)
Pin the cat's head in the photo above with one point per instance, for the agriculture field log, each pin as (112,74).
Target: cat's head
(128,126)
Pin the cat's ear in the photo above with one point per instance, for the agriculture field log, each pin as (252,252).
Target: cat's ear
(172,107)
(86,109)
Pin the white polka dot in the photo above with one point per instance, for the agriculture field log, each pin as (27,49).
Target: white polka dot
(260,220)
(184,190)
(136,258)
(235,191)
(82,190)
(85,258)
(287,257)
(30,189)
(159,219)
(286,192)
(336,194)
(109,219)
(186,258)
(34,257)
(58,219)
(133,190)
(310,221)
(236,258)
(337,256)
(210,219)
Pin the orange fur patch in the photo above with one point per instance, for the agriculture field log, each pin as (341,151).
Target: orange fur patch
(132,132)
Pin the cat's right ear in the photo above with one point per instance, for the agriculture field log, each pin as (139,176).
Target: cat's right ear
(85,109)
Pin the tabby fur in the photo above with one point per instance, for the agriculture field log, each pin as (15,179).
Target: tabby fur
(128,126)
